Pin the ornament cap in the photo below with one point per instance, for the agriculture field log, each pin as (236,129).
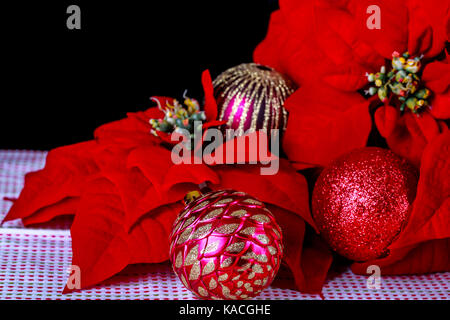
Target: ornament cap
(191,196)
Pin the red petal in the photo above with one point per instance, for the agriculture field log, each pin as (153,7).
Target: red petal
(440,106)
(430,216)
(67,206)
(431,256)
(131,131)
(411,135)
(323,124)
(386,118)
(210,106)
(436,76)
(309,263)
(286,189)
(101,245)
(267,52)
(66,170)
(426,24)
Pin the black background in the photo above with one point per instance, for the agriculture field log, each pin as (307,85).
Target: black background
(60,84)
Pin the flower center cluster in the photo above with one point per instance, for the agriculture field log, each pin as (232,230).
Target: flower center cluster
(178,117)
(402,81)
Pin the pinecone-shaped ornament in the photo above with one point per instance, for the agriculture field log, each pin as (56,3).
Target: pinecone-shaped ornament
(226,245)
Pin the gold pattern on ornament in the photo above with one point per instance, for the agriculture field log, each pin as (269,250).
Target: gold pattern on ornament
(272,250)
(211,247)
(253,201)
(276,232)
(239,213)
(280,246)
(216,194)
(177,227)
(201,231)
(210,266)
(227,228)
(201,205)
(236,277)
(212,214)
(263,238)
(248,101)
(183,279)
(244,296)
(223,201)
(245,267)
(240,283)
(236,247)
(223,277)
(257,282)
(248,231)
(179,260)
(258,257)
(257,268)
(238,292)
(227,262)
(239,193)
(262,218)
(212,284)
(237,101)
(202,292)
(248,287)
(181,215)
(251,275)
(192,256)
(184,236)
(264,282)
(226,292)
(195,271)
(188,222)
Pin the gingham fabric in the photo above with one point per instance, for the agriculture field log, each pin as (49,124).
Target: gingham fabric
(34,263)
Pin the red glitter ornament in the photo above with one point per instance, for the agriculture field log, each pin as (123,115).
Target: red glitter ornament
(226,245)
(362,200)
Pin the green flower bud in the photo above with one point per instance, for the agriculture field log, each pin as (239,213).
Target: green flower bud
(372,90)
(382,94)
(411,103)
(423,93)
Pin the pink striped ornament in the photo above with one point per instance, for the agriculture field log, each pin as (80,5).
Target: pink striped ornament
(250,96)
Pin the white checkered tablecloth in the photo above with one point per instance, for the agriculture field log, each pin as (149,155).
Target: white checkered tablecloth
(34,262)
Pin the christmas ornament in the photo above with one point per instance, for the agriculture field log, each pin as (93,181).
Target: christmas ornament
(402,81)
(251,96)
(226,245)
(361,201)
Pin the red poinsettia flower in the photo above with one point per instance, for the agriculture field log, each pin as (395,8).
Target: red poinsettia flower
(326,47)
(125,192)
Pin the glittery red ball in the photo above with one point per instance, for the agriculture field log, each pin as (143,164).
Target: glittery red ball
(226,245)
(362,200)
